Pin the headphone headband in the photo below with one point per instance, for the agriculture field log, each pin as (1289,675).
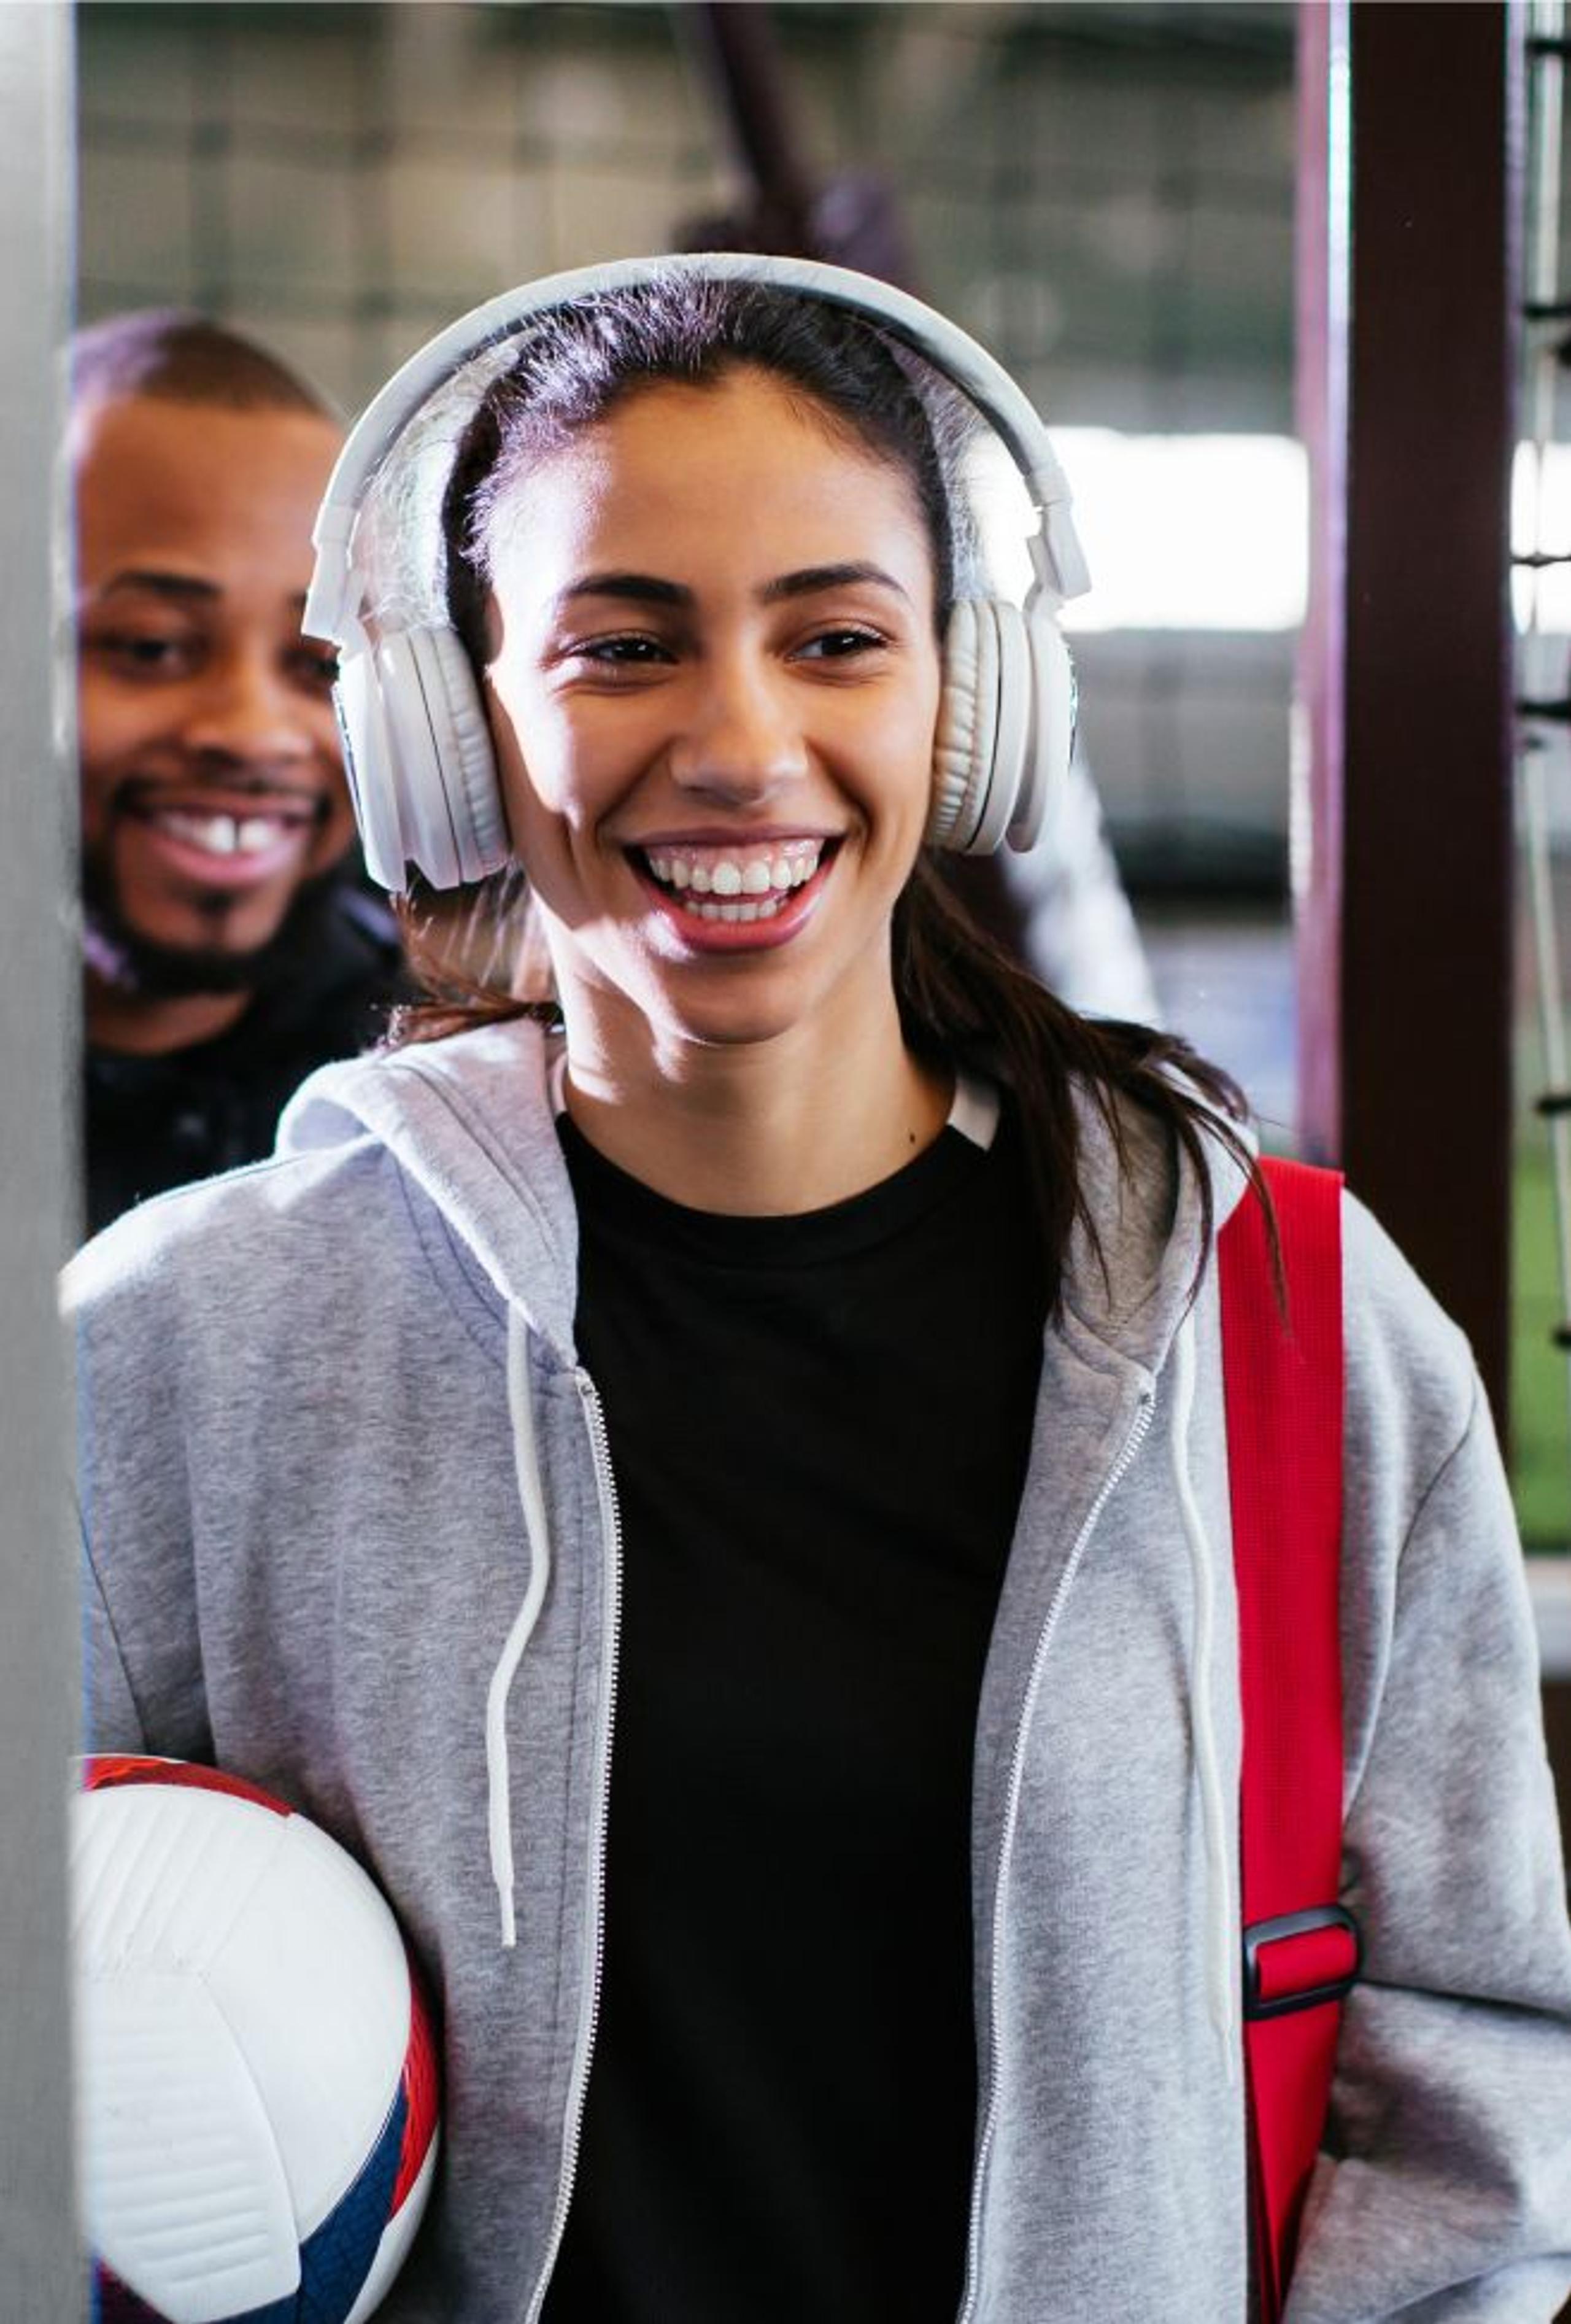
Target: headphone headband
(332,605)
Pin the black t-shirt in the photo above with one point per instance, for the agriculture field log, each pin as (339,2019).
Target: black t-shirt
(820,1428)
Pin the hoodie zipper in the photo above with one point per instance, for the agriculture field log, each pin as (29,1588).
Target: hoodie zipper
(1131,1446)
(611,1535)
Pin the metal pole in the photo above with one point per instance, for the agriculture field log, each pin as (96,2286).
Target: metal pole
(1407,891)
(1545,29)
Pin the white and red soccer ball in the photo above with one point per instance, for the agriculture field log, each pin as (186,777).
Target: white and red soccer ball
(256,2071)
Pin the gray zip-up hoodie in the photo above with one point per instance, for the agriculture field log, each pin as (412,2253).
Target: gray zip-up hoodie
(351,1530)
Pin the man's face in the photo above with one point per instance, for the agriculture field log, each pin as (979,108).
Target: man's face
(212,788)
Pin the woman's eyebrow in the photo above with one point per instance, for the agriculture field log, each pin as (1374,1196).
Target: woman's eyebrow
(814,577)
(649,589)
(643,588)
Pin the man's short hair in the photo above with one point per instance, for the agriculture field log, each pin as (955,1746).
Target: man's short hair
(178,356)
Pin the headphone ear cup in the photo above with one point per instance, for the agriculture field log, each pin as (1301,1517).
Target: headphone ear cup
(444,776)
(986,722)
(1004,778)
(968,720)
(1006,725)
(368,769)
(1052,739)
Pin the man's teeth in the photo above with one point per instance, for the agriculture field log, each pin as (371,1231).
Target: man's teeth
(224,835)
(749,883)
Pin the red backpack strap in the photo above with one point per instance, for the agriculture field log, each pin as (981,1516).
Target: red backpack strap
(1284,1386)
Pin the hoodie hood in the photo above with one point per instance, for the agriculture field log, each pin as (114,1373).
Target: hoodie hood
(469,1118)
(469,1122)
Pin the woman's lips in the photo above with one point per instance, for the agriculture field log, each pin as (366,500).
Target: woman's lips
(728,896)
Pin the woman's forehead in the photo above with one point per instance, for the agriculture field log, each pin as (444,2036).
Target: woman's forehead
(674,462)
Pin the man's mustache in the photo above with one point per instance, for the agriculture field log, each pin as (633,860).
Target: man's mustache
(137,793)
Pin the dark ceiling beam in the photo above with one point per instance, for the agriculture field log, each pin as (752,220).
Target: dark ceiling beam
(740,51)
(851,219)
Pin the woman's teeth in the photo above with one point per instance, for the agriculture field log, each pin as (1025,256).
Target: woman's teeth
(748,883)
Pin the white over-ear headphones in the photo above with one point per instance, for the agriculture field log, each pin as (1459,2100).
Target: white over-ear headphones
(416,740)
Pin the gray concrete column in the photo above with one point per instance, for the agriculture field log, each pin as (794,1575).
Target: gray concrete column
(39,1719)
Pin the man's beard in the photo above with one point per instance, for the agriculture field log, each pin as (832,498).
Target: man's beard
(121,957)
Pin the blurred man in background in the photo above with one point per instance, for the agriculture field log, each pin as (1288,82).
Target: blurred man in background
(228,946)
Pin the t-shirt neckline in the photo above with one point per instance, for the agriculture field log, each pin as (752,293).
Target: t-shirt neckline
(611,1200)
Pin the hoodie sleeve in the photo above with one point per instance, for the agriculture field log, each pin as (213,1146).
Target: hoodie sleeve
(110,1720)
(141,1664)
(1444,2195)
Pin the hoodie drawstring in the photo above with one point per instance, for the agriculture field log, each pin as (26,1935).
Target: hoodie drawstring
(499,1794)
(1221,1916)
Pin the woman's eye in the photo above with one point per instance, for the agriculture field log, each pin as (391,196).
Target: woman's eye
(838,644)
(619,652)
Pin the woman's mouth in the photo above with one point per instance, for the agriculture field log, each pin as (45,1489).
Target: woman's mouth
(728,882)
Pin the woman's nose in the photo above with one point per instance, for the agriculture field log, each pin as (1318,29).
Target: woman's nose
(739,740)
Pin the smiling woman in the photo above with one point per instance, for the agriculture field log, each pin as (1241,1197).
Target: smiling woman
(711,1471)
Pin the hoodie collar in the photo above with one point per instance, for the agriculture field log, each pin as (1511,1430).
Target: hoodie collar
(470,1119)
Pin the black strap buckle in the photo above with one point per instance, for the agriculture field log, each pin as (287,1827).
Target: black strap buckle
(1316,1918)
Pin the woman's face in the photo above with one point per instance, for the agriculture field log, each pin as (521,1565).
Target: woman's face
(713,689)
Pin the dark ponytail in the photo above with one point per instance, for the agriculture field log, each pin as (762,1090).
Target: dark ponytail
(965,1002)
